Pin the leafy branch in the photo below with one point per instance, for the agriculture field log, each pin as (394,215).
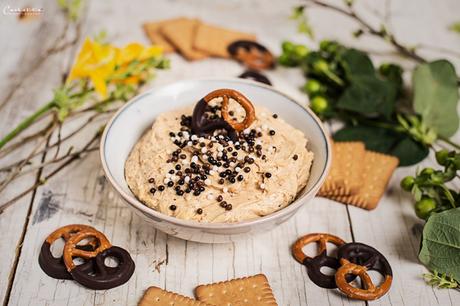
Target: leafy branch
(441,280)
(102,79)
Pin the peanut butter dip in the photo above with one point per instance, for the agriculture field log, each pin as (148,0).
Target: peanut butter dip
(214,179)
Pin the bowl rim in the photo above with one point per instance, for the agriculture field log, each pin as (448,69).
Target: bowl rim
(135,203)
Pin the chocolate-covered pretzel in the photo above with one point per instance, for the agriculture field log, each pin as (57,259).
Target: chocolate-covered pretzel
(314,264)
(101,276)
(251,54)
(255,76)
(357,259)
(54,266)
(71,250)
(202,125)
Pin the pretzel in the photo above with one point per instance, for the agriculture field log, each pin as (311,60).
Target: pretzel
(67,231)
(54,266)
(71,250)
(356,259)
(321,238)
(251,54)
(238,97)
(314,264)
(369,292)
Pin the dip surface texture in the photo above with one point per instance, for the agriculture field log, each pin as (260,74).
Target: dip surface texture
(263,176)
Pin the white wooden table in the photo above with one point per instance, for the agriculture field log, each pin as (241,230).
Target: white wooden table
(29,72)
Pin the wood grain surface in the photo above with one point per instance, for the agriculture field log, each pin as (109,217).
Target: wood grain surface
(33,64)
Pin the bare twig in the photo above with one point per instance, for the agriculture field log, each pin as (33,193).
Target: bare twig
(5,151)
(381,33)
(66,163)
(17,170)
(63,139)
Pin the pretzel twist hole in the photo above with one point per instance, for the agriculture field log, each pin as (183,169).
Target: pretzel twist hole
(71,250)
(369,290)
(226,94)
(321,238)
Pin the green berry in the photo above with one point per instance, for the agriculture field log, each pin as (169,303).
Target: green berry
(285,60)
(427,171)
(287,46)
(300,50)
(312,87)
(442,156)
(320,66)
(424,207)
(319,104)
(407,183)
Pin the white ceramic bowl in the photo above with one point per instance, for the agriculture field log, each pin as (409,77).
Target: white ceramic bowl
(132,120)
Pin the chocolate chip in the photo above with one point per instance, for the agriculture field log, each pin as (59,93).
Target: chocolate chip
(228,207)
(247,169)
(223,204)
(183,156)
(180,192)
(151,180)
(220,198)
(275,116)
(295,157)
(199,211)
(196,193)
(173,207)
(221,181)
(240,178)
(152,190)
(272,132)
(172,134)
(178,167)
(170,183)
(268,175)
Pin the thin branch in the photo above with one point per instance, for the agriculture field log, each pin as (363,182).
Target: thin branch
(12,147)
(350,12)
(63,139)
(66,163)
(58,159)
(17,170)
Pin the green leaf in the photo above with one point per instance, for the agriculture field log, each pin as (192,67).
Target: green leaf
(455,27)
(369,95)
(303,24)
(409,151)
(436,96)
(385,141)
(440,248)
(357,64)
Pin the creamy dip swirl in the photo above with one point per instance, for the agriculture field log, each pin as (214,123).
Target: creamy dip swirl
(271,175)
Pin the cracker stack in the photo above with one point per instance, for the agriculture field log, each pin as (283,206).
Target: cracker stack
(192,38)
(358,177)
(252,291)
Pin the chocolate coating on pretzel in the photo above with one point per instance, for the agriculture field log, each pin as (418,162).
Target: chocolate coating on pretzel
(202,125)
(255,76)
(357,259)
(314,264)
(71,250)
(54,266)
(251,54)
(101,276)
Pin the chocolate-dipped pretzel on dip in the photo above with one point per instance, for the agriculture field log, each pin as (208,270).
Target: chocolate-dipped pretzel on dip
(224,159)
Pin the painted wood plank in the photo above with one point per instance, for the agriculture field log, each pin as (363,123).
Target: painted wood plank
(81,194)
(32,83)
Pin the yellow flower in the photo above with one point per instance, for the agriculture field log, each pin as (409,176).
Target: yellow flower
(96,62)
(104,63)
(136,51)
